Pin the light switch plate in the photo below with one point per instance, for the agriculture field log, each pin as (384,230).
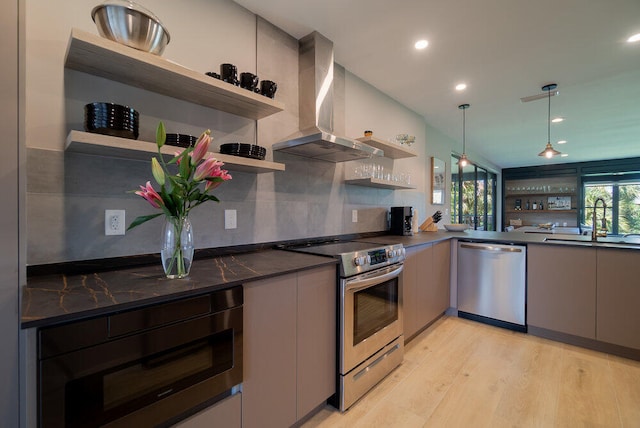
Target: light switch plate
(230,219)
(354,216)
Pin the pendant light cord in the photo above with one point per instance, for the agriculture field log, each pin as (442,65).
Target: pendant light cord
(464,108)
(549,116)
(464,128)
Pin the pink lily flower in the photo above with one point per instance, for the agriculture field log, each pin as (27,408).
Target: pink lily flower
(148,193)
(222,173)
(207,169)
(201,148)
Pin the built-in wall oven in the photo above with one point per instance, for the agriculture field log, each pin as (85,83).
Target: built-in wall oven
(371,341)
(145,367)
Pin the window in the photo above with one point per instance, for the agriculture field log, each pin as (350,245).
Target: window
(473,192)
(622,197)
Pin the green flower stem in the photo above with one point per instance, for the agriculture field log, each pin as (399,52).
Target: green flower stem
(177,256)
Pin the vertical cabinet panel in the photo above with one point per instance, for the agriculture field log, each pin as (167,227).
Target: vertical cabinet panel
(289,347)
(226,413)
(618,297)
(426,284)
(561,289)
(442,279)
(316,358)
(269,340)
(410,293)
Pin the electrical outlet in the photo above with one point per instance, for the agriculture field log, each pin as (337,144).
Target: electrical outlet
(114,222)
(354,216)
(230,219)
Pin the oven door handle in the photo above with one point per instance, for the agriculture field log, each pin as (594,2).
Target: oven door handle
(361,284)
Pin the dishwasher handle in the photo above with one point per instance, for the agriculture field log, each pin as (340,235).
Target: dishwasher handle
(487,247)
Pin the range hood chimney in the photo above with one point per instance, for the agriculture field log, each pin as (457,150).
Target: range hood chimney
(315,92)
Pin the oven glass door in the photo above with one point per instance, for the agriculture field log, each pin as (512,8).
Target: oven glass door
(374,308)
(371,314)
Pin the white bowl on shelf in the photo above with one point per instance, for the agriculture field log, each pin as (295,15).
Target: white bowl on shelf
(457,227)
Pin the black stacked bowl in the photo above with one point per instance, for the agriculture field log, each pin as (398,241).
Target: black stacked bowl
(181,140)
(244,150)
(111,119)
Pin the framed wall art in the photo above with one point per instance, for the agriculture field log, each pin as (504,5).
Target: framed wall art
(438,176)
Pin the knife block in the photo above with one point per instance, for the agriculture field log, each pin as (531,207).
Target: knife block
(428,225)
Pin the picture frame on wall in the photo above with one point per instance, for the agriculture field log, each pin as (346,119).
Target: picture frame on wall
(438,180)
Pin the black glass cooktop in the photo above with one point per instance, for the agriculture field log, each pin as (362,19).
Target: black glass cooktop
(335,249)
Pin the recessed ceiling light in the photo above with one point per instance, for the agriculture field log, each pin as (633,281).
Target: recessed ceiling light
(564,155)
(461,86)
(557,119)
(562,142)
(421,44)
(634,38)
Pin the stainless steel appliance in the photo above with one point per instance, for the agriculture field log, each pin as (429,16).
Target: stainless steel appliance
(316,138)
(145,367)
(492,284)
(371,341)
(401,220)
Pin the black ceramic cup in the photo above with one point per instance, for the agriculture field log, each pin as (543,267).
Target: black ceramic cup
(268,88)
(229,73)
(248,81)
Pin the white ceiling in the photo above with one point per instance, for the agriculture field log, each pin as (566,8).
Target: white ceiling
(503,50)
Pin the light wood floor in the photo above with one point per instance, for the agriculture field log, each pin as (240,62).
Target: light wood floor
(460,373)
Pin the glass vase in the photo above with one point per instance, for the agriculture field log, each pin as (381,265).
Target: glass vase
(177,247)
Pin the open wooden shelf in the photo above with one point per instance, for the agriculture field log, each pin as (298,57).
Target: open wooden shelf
(392,151)
(96,55)
(379,183)
(105,145)
(535,195)
(571,211)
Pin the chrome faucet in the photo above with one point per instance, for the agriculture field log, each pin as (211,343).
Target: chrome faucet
(594,231)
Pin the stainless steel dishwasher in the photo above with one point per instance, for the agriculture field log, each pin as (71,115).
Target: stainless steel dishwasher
(492,284)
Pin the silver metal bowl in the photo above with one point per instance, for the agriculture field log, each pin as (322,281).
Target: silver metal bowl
(132,25)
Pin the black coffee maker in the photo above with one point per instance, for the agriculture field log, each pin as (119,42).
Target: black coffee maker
(401,220)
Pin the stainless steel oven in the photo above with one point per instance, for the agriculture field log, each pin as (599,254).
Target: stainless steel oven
(144,367)
(372,314)
(370,337)
(372,341)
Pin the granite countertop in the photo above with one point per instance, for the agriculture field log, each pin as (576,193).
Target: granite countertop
(514,237)
(423,238)
(52,299)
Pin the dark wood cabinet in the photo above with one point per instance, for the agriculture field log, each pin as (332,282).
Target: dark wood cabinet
(558,196)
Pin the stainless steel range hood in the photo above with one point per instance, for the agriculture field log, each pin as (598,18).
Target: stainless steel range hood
(315,79)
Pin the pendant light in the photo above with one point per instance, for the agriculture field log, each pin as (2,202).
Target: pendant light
(463,159)
(549,151)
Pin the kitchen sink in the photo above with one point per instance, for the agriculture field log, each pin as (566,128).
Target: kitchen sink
(605,242)
(573,241)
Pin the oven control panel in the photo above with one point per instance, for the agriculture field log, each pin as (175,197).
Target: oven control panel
(366,260)
(378,256)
